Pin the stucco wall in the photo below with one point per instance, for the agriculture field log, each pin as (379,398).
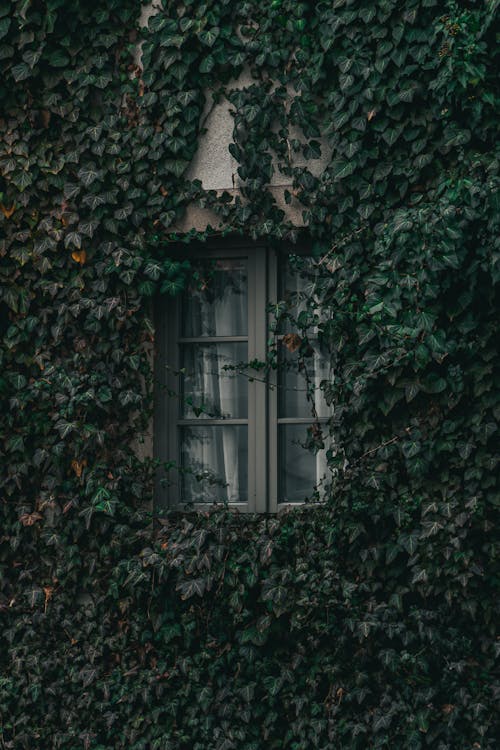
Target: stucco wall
(216,168)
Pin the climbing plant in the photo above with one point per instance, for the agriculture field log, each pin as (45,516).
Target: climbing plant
(368,621)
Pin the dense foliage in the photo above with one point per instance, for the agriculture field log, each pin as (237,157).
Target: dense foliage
(365,622)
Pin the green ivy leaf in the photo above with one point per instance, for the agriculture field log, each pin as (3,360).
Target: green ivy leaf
(20,72)
(21,179)
(73,239)
(342,168)
(88,175)
(207,64)
(4,27)
(209,37)
(195,587)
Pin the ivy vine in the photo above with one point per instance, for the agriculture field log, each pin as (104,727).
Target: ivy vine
(366,622)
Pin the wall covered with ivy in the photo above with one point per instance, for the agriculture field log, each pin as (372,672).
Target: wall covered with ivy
(368,622)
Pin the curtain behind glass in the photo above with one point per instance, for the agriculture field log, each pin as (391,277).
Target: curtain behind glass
(218,306)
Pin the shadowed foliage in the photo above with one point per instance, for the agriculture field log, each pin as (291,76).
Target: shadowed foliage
(365,622)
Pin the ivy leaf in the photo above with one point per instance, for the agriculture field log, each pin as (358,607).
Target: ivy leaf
(456,137)
(79,256)
(420,576)
(411,448)
(30,519)
(382,170)
(274,593)
(18,381)
(176,166)
(94,201)
(191,588)
(58,59)
(412,390)
(248,692)
(340,119)
(15,443)
(71,191)
(65,428)
(172,286)
(207,64)
(342,168)
(8,212)
(465,450)
(364,629)
(4,26)
(104,394)
(402,223)
(430,528)
(434,384)
(73,239)
(32,56)
(20,72)
(185,97)
(21,179)
(312,150)
(346,81)
(292,341)
(95,132)
(205,697)
(88,227)
(88,175)
(273,684)
(209,37)
(153,269)
(345,64)
(410,542)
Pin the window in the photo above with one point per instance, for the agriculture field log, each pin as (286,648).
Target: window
(230,429)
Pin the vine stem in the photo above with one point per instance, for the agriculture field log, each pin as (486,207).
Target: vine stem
(378,447)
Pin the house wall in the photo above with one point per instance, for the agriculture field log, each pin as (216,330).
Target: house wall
(216,169)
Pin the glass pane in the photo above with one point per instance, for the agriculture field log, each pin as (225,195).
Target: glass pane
(214,461)
(210,385)
(300,469)
(299,382)
(216,303)
(297,286)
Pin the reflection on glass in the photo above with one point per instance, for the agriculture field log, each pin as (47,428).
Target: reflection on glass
(216,303)
(297,286)
(214,462)
(300,469)
(210,385)
(299,383)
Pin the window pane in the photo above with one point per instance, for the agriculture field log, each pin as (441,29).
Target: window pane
(299,382)
(297,286)
(214,460)
(216,304)
(300,469)
(209,385)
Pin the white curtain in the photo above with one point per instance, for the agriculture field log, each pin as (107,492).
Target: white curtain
(221,448)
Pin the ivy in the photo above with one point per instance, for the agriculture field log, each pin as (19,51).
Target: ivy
(369,620)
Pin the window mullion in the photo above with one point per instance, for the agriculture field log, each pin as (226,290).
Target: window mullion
(213,340)
(258,389)
(272,425)
(252,438)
